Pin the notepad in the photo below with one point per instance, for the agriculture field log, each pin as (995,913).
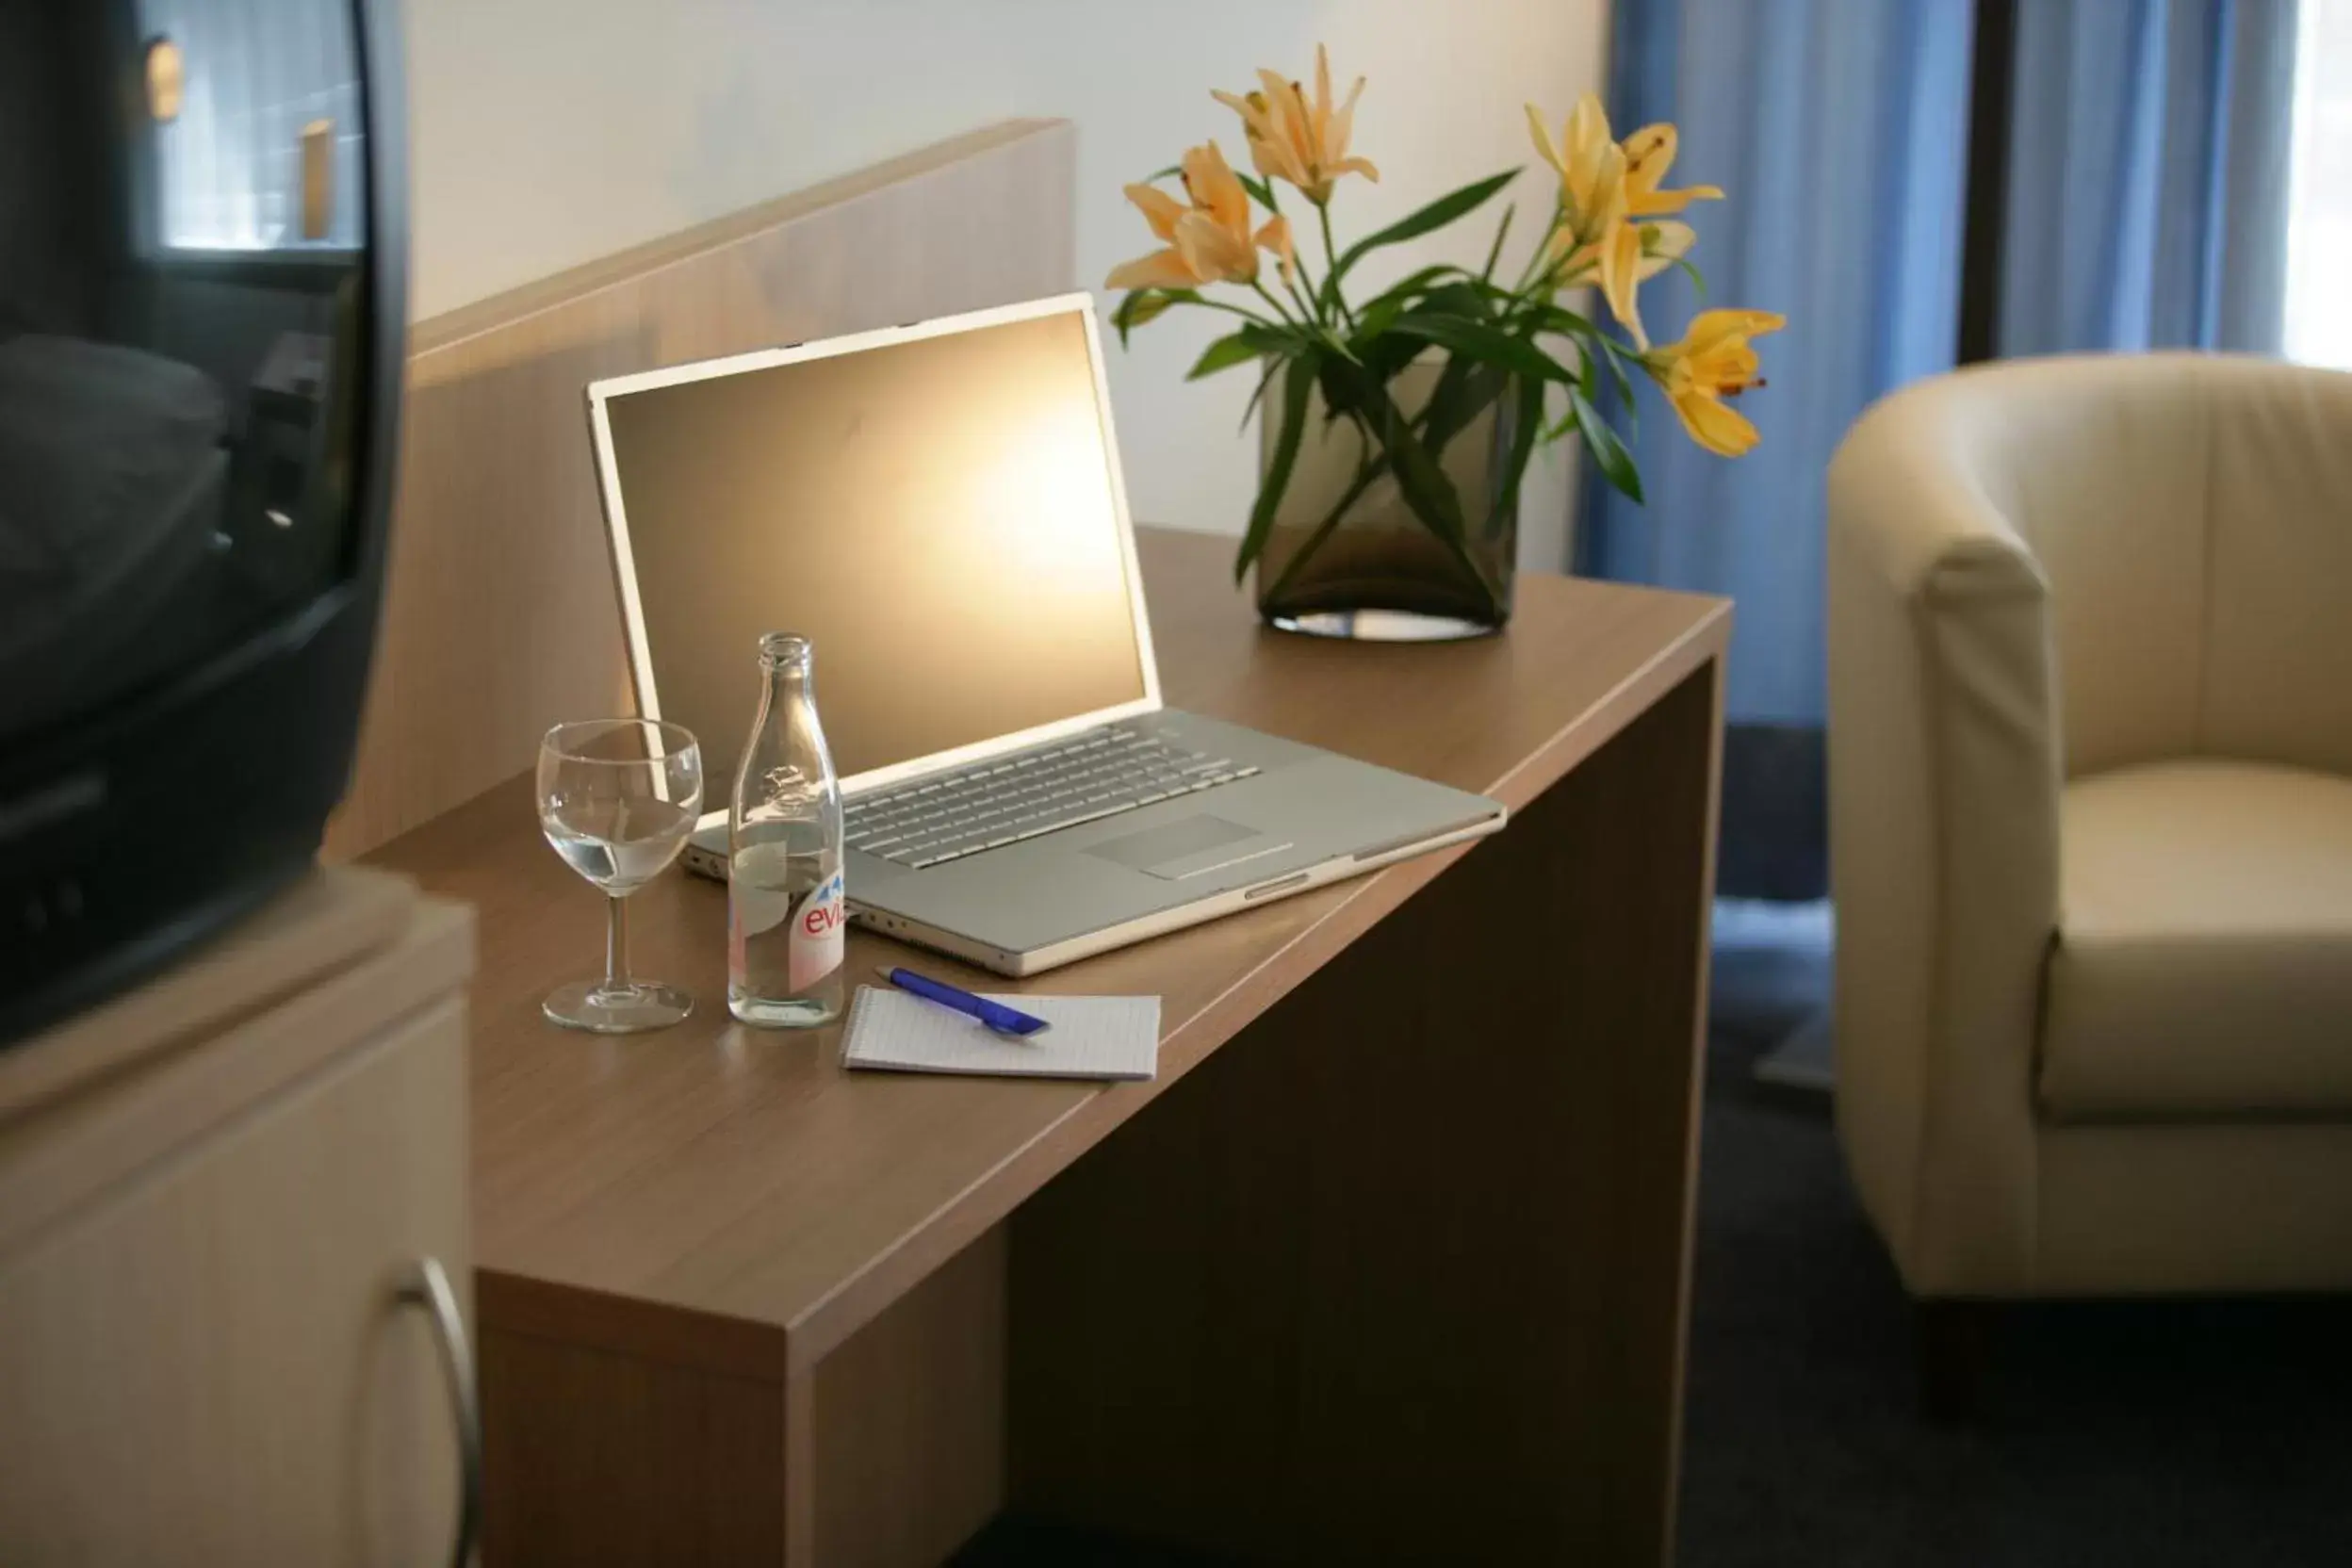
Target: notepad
(1092,1037)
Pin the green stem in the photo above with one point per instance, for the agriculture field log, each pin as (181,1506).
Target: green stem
(1372,469)
(1298,270)
(1233,310)
(1535,262)
(1292,284)
(1330,261)
(1264,293)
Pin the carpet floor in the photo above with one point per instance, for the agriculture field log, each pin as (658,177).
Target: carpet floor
(2151,1435)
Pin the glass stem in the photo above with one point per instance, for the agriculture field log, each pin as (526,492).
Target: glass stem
(616,945)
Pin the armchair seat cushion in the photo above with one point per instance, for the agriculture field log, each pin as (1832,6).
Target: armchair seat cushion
(2203,960)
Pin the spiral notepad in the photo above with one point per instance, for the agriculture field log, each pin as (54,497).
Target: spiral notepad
(1092,1037)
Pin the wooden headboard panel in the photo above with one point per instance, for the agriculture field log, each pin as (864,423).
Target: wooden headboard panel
(500,617)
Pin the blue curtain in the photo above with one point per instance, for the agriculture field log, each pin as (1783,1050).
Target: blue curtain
(1838,128)
(2145,207)
(2148,175)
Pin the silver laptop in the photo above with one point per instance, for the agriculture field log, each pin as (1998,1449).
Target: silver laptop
(938,508)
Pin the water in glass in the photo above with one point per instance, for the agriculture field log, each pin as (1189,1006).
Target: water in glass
(618,799)
(620,845)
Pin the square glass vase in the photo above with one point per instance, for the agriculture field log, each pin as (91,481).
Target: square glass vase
(1348,557)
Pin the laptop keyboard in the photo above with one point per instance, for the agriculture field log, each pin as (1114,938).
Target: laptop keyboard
(1099,774)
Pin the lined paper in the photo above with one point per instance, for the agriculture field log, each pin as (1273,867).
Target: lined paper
(1092,1037)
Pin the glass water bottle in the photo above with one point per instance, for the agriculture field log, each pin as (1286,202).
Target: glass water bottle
(786,909)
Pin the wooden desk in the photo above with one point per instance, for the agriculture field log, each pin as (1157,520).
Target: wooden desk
(1389,1265)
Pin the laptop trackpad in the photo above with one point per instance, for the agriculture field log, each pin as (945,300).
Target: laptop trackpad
(1192,847)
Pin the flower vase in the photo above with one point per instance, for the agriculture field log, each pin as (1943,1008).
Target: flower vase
(1351,553)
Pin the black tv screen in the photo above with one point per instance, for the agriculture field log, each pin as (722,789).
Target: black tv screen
(202,248)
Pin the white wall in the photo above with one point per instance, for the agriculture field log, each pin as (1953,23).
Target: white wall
(550,132)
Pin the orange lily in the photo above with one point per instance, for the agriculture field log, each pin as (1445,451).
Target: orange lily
(1207,241)
(1714,361)
(1290,138)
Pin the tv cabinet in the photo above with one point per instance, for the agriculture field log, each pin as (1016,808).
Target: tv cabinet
(234,1249)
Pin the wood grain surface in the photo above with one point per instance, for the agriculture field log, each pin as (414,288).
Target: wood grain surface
(829,1301)
(743,1173)
(500,617)
(1400,1276)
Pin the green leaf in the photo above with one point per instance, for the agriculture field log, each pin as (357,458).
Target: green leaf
(1384,308)
(1171,172)
(1595,342)
(1272,366)
(1465,390)
(1239,347)
(1494,252)
(1435,215)
(1261,192)
(1405,290)
(1425,486)
(1298,386)
(1511,301)
(1481,341)
(1698,279)
(1385,355)
(1373,320)
(1144,305)
(1616,463)
(1527,428)
(1616,358)
(1549,318)
(1465,299)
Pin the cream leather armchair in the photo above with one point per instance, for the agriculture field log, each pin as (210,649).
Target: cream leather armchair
(2090,679)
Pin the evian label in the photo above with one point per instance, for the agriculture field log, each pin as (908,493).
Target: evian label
(815,941)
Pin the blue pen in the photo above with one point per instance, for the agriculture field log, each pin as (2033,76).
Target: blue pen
(1003,1019)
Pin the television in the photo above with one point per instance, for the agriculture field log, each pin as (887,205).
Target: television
(203,247)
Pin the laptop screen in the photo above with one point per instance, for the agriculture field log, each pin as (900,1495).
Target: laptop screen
(936,516)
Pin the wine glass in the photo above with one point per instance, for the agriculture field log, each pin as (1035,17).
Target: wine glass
(618,799)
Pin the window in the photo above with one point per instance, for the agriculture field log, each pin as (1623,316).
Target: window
(2319,190)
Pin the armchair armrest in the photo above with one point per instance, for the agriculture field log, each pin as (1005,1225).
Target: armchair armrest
(1945,767)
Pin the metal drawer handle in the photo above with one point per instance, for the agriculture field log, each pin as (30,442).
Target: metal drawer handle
(427,1287)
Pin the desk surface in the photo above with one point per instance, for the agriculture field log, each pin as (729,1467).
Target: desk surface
(743,1173)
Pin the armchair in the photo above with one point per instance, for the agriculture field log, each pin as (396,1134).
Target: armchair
(2091,825)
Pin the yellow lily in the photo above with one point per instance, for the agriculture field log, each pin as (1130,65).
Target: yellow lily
(1290,138)
(1714,361)
(1649,153)
(1208,242)
(1591,166)
(1626,255)
(1605,190)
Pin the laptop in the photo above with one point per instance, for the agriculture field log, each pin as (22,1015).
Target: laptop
(937,507)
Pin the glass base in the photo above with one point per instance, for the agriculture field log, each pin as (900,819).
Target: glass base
(620,1010)
(805,1012)
(1381,626)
